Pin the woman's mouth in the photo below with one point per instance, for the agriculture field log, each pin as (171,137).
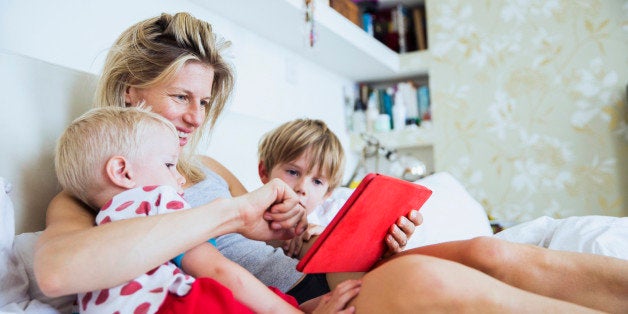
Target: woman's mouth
(183,137)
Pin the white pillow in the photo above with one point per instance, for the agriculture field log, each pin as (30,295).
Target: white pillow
(24,249)
(449,214)
(19,292)
(13,281)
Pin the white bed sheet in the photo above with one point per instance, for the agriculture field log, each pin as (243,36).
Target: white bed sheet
(602,235)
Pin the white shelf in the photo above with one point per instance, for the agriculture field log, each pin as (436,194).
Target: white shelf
(342,47)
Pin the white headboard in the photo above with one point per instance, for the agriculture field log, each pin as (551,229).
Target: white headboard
(38,100)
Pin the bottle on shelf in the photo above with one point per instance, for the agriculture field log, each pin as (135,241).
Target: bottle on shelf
(399,112)
(388,103)
(372,112)
(383,123)
(423,96)
(359,117)
(409,95)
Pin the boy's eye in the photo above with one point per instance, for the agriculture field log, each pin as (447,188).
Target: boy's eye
(292,172)
(205,103)
(318,182)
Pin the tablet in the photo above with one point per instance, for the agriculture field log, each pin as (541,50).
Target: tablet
(354,239)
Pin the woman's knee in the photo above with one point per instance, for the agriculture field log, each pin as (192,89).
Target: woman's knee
(393,286)
(491,255)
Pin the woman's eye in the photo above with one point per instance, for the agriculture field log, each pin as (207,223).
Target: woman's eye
(170,165)
(205,103)
(180,97)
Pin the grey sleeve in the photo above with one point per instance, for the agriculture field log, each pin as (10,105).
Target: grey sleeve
(270,265)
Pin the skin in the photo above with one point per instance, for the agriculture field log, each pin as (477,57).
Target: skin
(590,280)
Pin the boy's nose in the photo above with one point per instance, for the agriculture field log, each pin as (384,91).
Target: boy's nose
(299,188)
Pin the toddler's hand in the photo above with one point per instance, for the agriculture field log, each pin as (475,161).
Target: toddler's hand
(292,247)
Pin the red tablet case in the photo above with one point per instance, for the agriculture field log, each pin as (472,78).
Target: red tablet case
(354,239)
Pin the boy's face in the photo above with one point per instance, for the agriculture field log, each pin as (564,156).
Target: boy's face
(311,187)
(157,162)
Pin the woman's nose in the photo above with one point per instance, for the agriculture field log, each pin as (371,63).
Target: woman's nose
(195,115)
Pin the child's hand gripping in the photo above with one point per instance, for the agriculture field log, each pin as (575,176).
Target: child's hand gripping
(271,212)
(293,247)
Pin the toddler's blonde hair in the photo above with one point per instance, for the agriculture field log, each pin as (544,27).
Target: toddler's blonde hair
(92,139)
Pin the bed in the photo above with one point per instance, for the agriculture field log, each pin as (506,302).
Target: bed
(40,99)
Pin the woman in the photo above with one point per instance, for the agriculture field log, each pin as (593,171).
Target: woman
(173,63)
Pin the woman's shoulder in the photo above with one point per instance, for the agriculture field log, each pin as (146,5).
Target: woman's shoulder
(235,186)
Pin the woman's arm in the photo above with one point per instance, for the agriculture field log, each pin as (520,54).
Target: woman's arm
(71,247)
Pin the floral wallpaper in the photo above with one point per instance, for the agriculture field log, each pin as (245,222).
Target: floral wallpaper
(529,103)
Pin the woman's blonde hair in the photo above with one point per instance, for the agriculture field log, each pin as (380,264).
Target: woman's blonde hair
(292,139)
(152,52)
(93,138)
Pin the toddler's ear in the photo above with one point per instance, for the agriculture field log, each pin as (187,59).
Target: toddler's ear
(263,174)
(119,172)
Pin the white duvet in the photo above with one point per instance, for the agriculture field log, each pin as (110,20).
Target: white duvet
(589,234)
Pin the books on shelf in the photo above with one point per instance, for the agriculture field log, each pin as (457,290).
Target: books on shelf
(418,18)
(402,28)
(348,9)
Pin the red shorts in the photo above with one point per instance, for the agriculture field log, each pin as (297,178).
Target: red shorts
(209,296)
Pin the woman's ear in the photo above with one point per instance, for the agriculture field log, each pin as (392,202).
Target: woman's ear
(119,172)
(263,174)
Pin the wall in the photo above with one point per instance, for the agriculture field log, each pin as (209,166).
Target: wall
(530,104)
(273,83)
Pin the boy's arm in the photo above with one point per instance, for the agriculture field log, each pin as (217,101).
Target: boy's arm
(206,261)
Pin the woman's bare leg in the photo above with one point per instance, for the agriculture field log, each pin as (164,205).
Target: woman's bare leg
(590,280)
(416,283)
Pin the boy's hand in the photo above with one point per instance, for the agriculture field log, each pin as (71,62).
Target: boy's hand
(292,247)
(271,212)
(400,232)
(337,300)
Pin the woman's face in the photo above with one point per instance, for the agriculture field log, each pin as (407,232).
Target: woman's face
(184,100)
